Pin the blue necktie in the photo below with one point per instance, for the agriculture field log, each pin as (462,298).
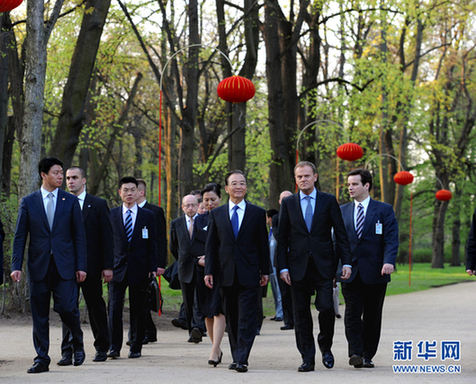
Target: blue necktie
(234,221)
(308,214)
(359,226)
(129,225)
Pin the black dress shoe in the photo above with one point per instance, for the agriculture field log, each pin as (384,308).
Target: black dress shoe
(195,336)
(338,316)
(100,356)
(65,360)
(306,367)
(356,361)
(179,324)
(128,342)
(241,367)
(328,359)
(38,368)
(287,327)
(368,363)
(149,339)
(134,355)
(232,366)
(113,354)
(278,319)
(273,318)
(79,357)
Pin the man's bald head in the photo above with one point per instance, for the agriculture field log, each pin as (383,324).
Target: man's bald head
(283,195)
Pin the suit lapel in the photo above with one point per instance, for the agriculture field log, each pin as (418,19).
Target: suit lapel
(225,217)
(317,209)
(349,222)
(249,211)
(38,200)
(137,225)
(369,218)
(298,209)
(120,223)
(60,203)
(86,207)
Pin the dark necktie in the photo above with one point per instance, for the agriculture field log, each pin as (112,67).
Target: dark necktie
(359,226)
(50,209)
(128,225)
(234,221)
(308,214)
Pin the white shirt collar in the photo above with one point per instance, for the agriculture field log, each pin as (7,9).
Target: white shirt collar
(241,204)
(134,209)
(141,205)
(82,196)
(45,193)
(365,203)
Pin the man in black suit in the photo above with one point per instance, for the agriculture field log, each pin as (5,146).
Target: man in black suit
(182,237)
(151,330)
(57,259)
(308,262)
(100,246)
(2,237)
(373,234)
(284,288)
(237,259)
(135,260)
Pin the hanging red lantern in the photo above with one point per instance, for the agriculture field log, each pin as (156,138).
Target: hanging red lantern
(236,89)
(444,195)
(403,178)
(350,151)
(8,5)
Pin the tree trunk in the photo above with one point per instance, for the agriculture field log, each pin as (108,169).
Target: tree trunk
(71,119)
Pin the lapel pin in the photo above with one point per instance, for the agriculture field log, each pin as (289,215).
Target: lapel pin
(62,199)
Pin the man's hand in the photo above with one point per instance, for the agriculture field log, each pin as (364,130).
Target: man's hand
(16,276)
(263,280)
(201,261)
(160,271)
(209,281)
(152,274)
(470,272)
(286,277)
(387,269)
(80,276)
(346,272)
(106,275)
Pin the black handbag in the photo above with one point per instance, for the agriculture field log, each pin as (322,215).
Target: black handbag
(171,275)
(154,299)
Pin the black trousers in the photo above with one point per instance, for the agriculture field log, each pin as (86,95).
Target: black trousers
(287,302)
(92,291)
(188,295)
(137,297)
(65,297)
(363,316)
(303,325)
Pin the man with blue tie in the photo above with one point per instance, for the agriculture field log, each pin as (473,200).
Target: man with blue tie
(237,260)
(373,234)
(135,260)
(308,260)
(57,259)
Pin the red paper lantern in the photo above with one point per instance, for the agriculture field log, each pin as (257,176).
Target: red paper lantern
(444,195)
(403,178)
(236,89)
(8,5)
(350,152)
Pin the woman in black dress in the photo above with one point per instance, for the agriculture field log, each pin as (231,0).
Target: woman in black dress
(209,300)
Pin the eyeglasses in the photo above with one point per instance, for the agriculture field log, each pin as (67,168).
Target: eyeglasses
(189,205)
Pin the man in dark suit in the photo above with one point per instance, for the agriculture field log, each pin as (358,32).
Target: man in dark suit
(182,237)
(308,262)
(135,260)
(471,249)
(284,288)
(373,234)
(100,246)
(2,237)
(237,259)
(57,259)
(150,329)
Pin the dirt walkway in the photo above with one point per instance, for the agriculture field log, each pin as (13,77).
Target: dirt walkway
(440,314)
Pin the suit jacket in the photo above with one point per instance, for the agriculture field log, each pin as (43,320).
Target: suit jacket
(471,247)
(296,245)
(2,237)
(180,245)
(99,235)
(372,250)
(247,256)
(66,241)
(160,228)
(139,256)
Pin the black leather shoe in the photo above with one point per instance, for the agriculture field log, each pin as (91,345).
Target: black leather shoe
(278,319)
(232,366)
(100,356)
(368,363)
(338,316)
(134,355)
(356,361)
(179,324)
(328,359)
(65,360)
(79,357)
(113,354)
(38,368)
(149,339)
(306,367)
(241,367)
(195,336)
(287,327)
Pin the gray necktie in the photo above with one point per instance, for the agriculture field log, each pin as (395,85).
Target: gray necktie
(308,214)
(50,209)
